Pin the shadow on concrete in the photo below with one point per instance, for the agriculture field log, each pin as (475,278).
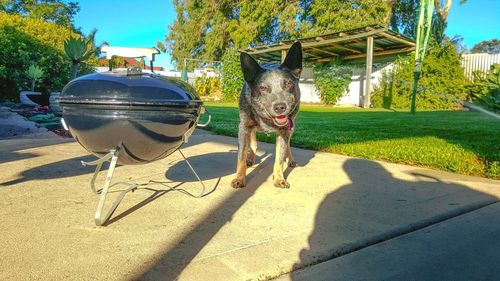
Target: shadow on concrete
(15,156)
(61,169)
(376,207)
(174,261)
(12,150)
(207,166)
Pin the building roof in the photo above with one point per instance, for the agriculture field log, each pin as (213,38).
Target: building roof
(347,46)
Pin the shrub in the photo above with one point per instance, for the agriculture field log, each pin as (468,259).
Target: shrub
(332,81)
(34,73)
(232,77)
(208,87)
(442,81)
(485,88)
(27,41)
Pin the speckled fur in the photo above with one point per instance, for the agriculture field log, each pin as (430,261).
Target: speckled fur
(266,92)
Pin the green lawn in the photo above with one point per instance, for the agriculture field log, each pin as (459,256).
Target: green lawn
(461,142)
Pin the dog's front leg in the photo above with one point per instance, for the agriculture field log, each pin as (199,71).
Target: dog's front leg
(281,154)
(241,167)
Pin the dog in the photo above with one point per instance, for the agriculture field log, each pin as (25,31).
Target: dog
(269,102)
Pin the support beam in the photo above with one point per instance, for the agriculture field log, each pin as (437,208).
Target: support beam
(397,39)
(325,51)
(350,49)
(283,56)
(381,53)
(368,76)
(325,42)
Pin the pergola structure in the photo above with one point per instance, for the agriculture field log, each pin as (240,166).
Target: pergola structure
(370,44)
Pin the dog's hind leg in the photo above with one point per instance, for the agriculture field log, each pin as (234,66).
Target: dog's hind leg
(281,152)
(241,167)
(253,147)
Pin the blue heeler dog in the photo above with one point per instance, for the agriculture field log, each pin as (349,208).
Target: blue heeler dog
(269,102)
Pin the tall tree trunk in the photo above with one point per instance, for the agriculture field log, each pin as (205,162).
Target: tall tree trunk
(33,85)
(444,9)
(74,70)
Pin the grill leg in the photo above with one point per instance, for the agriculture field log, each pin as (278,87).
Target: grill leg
(202,193)
(112,156)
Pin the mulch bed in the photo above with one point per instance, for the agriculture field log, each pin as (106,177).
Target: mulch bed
(41,115)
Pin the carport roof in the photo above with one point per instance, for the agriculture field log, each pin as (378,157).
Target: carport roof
(350,45)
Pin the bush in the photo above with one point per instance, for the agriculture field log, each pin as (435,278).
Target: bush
(232,77)
(27,41)
(332,81)
(208,87)
(485,88)
(442,81)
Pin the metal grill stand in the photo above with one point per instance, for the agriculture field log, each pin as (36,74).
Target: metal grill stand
(112,157)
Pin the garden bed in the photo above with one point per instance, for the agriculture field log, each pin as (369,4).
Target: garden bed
(41,115)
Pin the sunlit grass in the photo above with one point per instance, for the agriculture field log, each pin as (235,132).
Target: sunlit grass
(461,142)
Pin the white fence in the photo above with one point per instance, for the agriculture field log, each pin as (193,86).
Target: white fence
(482,62)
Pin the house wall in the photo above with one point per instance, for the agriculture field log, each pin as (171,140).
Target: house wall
(353,97)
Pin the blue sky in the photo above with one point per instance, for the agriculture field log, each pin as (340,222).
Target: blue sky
(135,23)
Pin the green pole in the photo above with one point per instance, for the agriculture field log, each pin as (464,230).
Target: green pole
(423,33)
(416,77)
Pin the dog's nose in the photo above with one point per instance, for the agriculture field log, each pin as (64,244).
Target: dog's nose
(279,108)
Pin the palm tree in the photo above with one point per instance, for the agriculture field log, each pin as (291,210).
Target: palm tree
(79,50)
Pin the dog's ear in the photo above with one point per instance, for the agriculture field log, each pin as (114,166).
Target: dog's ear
(293,59)
(249,67)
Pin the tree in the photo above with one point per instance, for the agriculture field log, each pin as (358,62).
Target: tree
(57,11)
(488,46)
(206,29)
(403,17)
(79,50)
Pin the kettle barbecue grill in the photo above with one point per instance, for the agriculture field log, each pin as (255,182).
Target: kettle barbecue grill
(129,117)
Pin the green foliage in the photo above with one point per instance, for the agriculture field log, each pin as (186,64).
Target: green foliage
(208,86)
(485,88)
(488,46)
(206,29)
(79,50)
(442,81)
(332,80)
(34,72)
(26,41)
(232,77)
(57,11)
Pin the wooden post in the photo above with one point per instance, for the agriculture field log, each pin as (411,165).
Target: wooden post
(283,56)
(368,76)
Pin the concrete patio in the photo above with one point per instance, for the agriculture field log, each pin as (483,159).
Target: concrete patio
(343,218)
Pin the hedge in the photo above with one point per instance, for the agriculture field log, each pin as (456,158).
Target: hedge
(442,81)
(26,41)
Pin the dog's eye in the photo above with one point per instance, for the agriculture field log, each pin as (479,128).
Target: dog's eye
(288,85)
(264,89)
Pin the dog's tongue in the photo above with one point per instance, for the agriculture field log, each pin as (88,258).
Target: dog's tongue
(281,119)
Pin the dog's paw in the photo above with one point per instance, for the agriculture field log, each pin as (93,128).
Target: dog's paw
(281,183)
(249,163)
(292,164)
(238,183)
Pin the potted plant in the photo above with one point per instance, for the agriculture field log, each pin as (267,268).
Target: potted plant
(31,97)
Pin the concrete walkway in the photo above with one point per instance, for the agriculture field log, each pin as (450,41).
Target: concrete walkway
(343,218)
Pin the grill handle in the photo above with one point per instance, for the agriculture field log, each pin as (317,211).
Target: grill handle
(130,52)
(205,111)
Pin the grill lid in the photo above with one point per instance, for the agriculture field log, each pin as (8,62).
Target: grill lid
(129,88)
